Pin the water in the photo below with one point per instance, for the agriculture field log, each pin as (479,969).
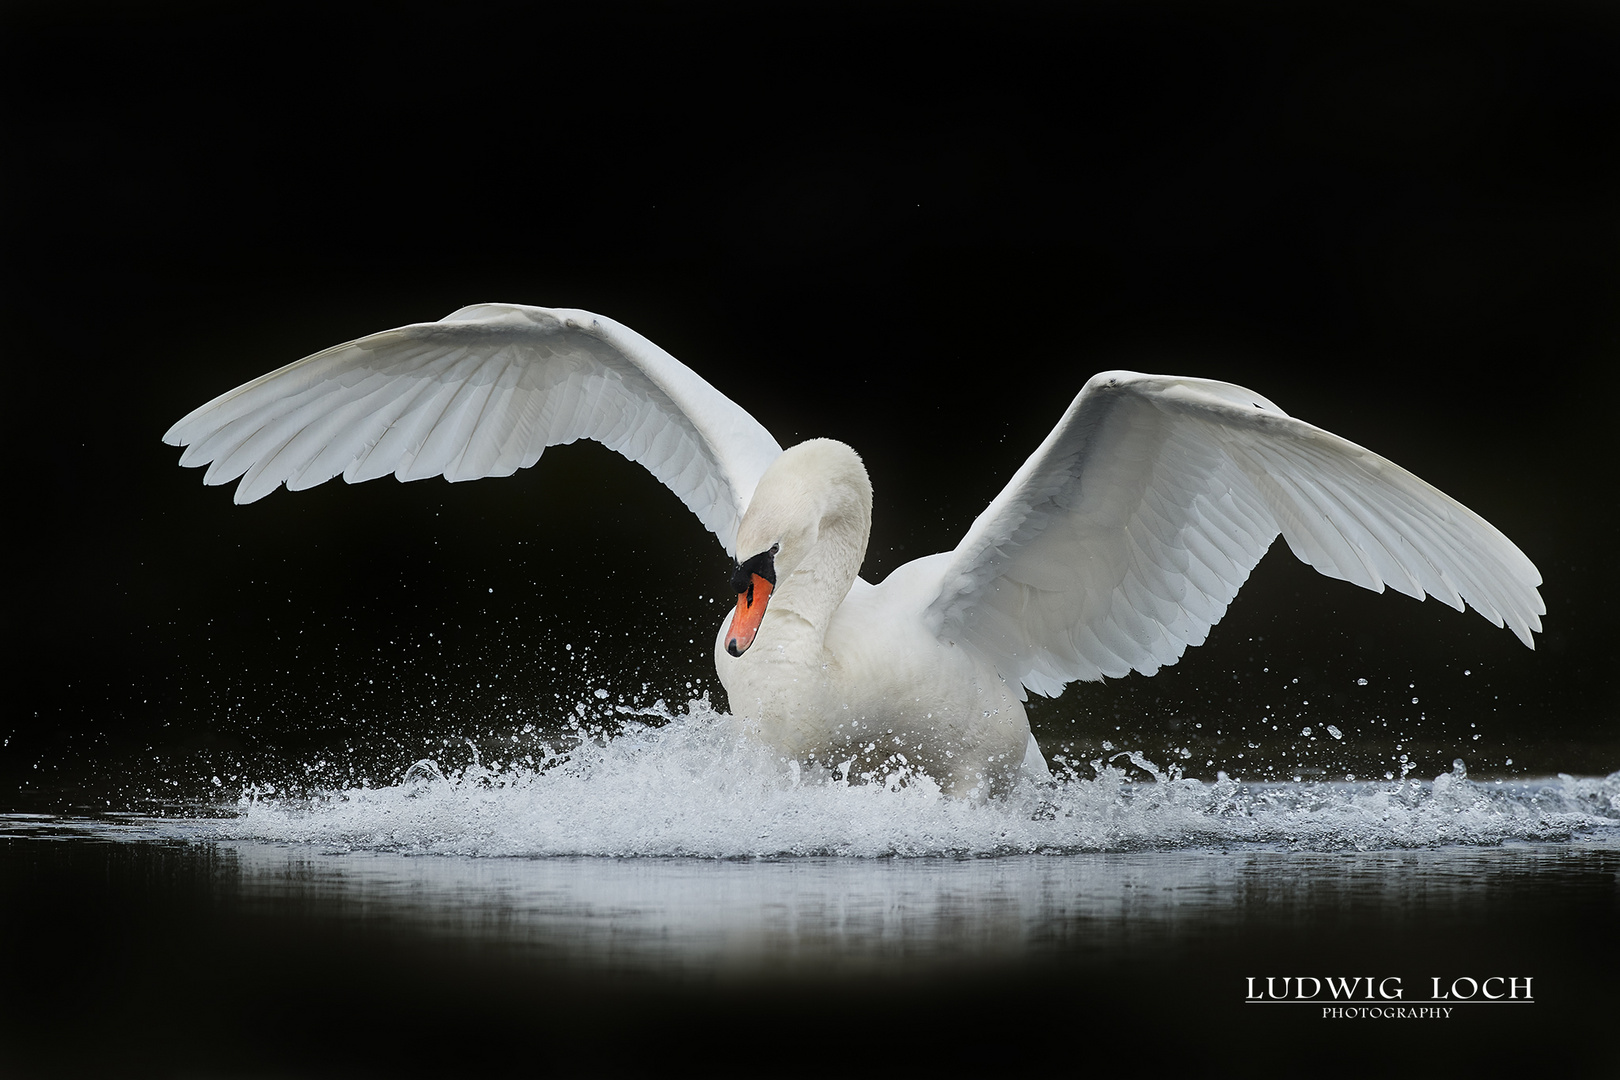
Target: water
(697,786)
(666,893)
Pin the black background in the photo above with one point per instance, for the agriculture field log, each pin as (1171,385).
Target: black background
(917,228)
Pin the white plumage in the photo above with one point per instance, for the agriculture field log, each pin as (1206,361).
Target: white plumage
(1119,543)
(482,393)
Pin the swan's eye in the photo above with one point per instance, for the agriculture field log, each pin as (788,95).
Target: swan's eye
(760,564)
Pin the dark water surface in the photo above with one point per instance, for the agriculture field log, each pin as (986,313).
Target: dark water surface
(127,953)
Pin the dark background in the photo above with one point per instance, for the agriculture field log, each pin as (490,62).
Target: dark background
(917,228)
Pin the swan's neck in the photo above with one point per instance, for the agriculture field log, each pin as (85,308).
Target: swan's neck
(815,588)
(812,510)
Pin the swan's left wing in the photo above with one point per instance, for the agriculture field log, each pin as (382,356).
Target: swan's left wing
(1121,541)
(483,392)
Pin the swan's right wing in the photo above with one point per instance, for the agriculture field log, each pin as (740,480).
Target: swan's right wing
(1121,541)
(481,393)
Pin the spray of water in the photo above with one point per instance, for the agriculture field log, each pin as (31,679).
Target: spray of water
(693,783)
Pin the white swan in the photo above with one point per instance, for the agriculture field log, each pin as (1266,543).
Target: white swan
(1117,544)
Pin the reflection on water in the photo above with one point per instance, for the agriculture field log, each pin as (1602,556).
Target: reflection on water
(818,914)
(215,956)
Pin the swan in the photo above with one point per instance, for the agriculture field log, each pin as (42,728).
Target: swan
(1117,544)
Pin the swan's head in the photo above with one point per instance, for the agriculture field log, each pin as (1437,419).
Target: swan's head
(815,491)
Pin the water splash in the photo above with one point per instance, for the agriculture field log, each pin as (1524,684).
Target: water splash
(700,786)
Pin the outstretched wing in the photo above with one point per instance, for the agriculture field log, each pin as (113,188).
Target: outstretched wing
(1121,541)
(479,393)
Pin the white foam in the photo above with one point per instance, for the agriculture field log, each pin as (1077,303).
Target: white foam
(697,786)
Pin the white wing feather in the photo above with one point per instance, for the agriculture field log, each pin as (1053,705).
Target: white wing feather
(481,393)
(1121,541)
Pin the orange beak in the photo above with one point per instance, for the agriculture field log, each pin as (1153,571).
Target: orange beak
(746,619)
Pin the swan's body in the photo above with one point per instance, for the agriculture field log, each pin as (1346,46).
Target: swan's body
(842,669)
(1118,543)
